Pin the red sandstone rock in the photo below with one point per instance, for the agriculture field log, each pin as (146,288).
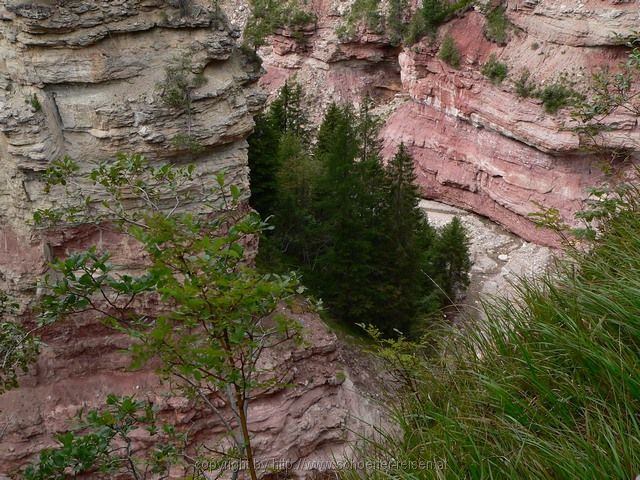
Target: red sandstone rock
(477,145)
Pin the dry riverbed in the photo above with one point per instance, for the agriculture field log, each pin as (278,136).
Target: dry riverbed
(498,256)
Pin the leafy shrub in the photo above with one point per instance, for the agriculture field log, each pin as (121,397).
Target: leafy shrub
(525,87)
(495,70)
(557,96)
(449,52)
(497,25)
(269,15)
(430,15)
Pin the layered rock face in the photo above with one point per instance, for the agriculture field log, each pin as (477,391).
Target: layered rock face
(477,145)
(302,429)
(81,78)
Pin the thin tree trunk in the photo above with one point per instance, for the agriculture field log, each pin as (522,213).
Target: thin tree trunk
(246,436)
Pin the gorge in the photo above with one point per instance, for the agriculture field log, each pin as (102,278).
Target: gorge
(84,79)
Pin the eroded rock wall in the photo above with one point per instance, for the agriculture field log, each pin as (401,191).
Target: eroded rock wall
(81,79)
(477,145)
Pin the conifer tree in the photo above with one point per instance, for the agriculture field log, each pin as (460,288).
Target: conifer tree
(284,117)
(286,111)
(263,164)
(346,271)
(297,182)
(451,258)
(353,226)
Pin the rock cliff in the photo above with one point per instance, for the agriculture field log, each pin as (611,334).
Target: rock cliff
(81,78)
(477,145)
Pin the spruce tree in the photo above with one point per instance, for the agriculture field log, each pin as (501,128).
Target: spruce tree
(286,111)
(346,272)
(263,164)
(451,257)
(297,179)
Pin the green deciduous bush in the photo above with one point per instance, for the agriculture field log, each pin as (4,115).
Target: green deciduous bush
(269,15)
(449,52)
(214,315)
(495,70)
(557,95)
(104,442)
(497,27)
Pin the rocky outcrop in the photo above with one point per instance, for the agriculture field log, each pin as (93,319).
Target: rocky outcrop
(80,78)
(477,145)
(330,68)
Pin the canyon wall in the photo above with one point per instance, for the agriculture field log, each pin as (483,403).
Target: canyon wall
(477,145)
(81,78)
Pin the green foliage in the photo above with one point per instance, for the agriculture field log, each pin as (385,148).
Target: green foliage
(269,15)
(608,92)
(34,101)
(391,20)
(286,111)
(396,21)
(497,27)
(451,254)
(525,86)
(178,85)
(103,444)
(351,226)
(557,96)
(184,141)
(217,316)
(285,116)
(546,387)
(367,11)
(432,14)
(495,70)
(179,82)
(449,52)
(18,347)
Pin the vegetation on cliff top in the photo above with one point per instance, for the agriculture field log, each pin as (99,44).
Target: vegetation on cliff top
(394,18)
(269,15)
